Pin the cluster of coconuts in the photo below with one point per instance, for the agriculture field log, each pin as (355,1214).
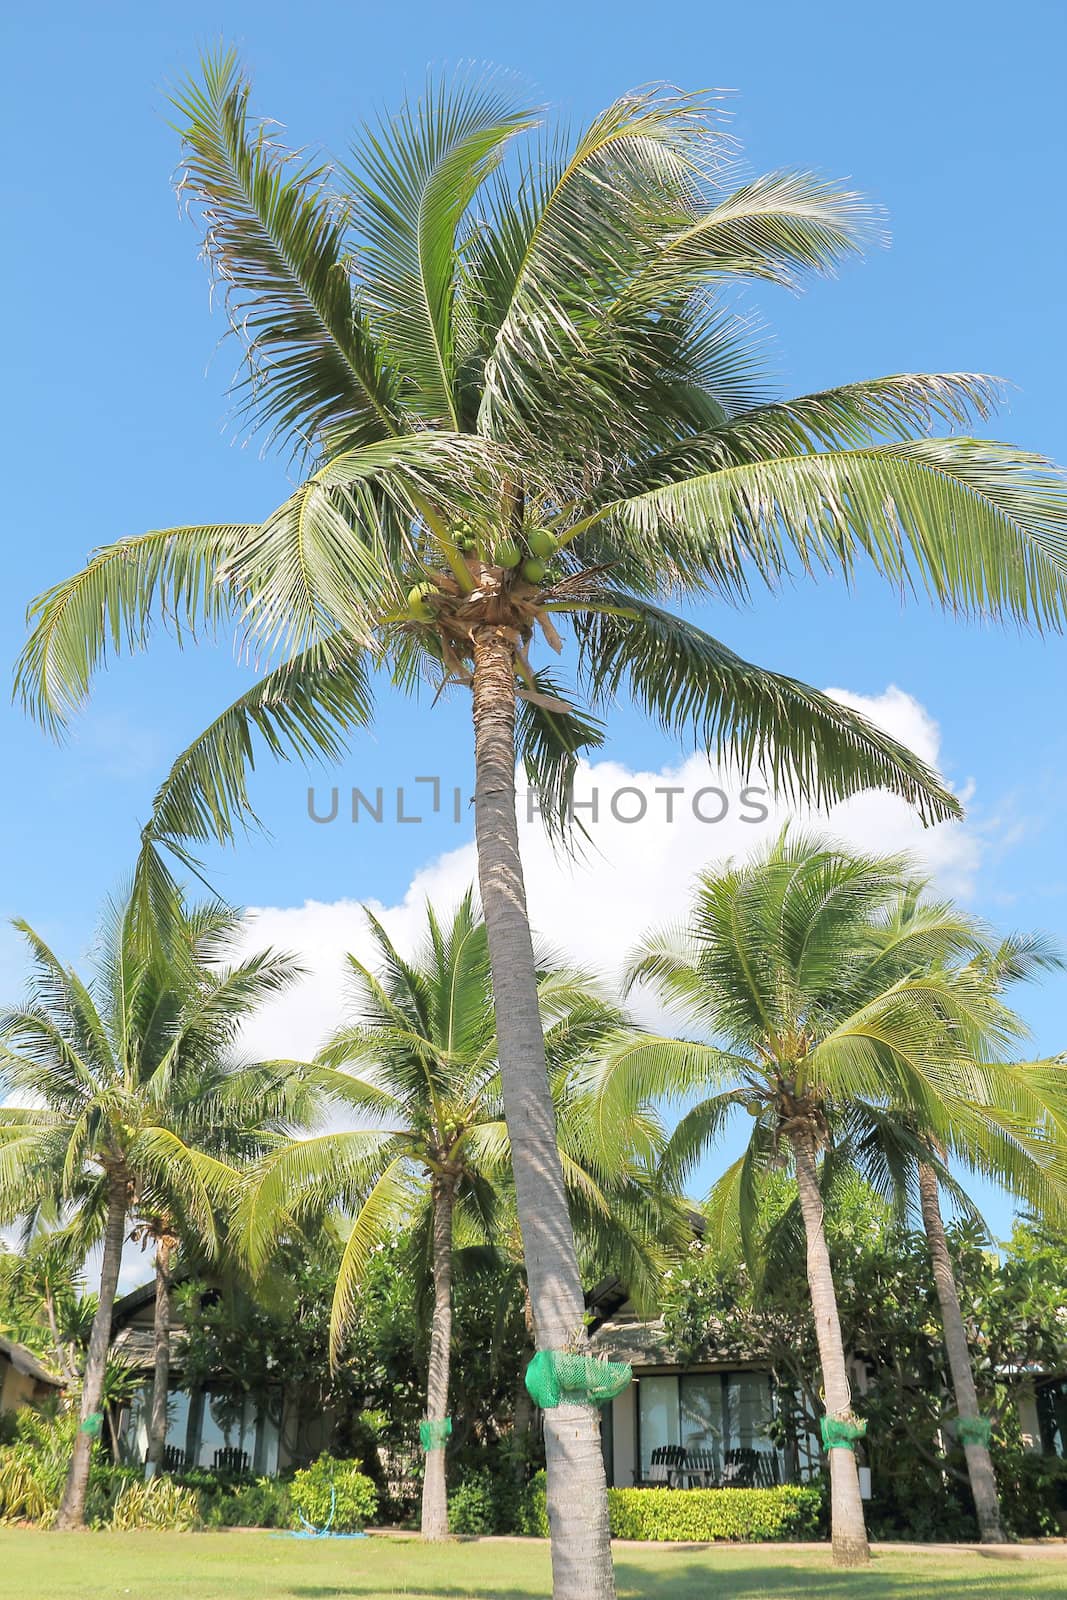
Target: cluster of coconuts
(531,558)
(532,562)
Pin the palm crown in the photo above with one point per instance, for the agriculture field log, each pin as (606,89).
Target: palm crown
(134,1075)
(493,343)
(849,1003)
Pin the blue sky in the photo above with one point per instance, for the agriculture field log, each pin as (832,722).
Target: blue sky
(116,413)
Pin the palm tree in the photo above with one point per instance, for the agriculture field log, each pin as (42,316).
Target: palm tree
(425,1035)
(829,1018)
(525,404)
(108,1071)
(1008,1129)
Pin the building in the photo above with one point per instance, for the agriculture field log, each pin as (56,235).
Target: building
(24,1379)
(211,1425)
(720,1411)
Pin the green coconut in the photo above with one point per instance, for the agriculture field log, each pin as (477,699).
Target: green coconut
(418,610)
(533,571)
(542,543)
(508,553)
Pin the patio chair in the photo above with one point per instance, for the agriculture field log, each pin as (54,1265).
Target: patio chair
(700,1470)
(766,1469)
(230,1459)
(739,1468)
(667,1460)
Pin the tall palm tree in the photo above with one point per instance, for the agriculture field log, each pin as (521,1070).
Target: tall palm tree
(825,1019)
(1008,1129)
(424,1041)
(107,1071)
(524,404)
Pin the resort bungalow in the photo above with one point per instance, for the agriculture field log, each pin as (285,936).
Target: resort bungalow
(700,1425)
(211,1425)
(24,1380)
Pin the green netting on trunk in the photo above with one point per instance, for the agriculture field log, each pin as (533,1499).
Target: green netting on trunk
(841,1433)
(435,1432)
(565,1378)
(974,1430)
(93,1424)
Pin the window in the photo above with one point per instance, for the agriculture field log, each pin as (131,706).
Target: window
(207,1421)
(658,1419)
(704,1411)
(1051,1402)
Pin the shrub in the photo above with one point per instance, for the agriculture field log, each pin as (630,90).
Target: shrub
(263,1503)
(33,1469)
(334,1492)
(532,1515)
(755,1516)
(1033,1492)
(472,1505)
(159,1503)
(106,1483)
(23,1495)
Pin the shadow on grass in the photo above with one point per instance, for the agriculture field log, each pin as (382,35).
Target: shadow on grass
(694,1579)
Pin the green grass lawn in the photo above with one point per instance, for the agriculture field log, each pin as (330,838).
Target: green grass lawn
(258,1566)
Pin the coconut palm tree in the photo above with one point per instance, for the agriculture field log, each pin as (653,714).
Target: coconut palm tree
(420,1056)
(106,1072)
(524,405)
(831,1014)
(1008,1129)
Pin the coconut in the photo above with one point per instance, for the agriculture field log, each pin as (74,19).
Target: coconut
(508,553)
(533,571)
(542,543)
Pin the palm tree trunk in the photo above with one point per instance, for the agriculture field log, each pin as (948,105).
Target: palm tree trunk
(847,1526)
(979,1462)
(157,1422)
(577,1490)
(434,1484)
(72,1506)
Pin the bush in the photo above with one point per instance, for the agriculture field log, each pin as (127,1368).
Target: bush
(532,1515)
(754,1516)
(159,1503)
(33,1469)
(1033,1492)
(334,1492)
(473,1505)
(263,1503)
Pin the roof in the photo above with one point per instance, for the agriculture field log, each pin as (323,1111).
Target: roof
(26,1362)
(644,1344)
(136,1347)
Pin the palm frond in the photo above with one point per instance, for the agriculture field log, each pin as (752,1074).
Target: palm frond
(810,747)
(275,238)
(414,178)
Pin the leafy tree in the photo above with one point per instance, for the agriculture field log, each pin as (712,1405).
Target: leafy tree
(525,404)
(424,1034)
(831,1013)
(107,1072)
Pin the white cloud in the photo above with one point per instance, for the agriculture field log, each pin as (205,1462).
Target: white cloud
(637,875)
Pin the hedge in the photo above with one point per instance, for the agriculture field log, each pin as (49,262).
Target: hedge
(752,1516)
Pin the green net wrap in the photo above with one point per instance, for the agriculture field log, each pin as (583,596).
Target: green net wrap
(841,1433)
(92,1424)
(565,1378)
(434,1433)
(974,1430)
